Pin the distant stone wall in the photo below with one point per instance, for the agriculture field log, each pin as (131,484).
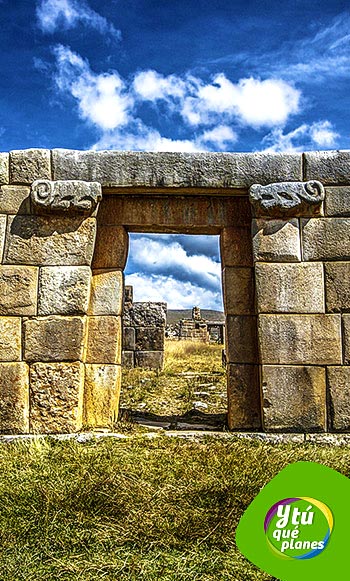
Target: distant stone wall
(143,333)
(284,226)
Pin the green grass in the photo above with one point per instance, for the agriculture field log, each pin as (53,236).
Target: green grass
(172,392)
(162,509)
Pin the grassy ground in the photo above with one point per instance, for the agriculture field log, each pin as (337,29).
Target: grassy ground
(193,376)
(160,509)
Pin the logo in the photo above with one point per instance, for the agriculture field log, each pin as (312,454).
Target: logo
(298,528)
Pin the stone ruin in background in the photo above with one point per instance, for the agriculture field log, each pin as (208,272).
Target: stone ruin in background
(197,329)
(143,333)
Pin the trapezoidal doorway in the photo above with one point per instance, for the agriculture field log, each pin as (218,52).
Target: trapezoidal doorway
(173,375)
(226,216)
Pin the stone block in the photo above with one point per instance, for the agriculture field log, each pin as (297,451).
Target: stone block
(337,276)
(149,359)
(14,398)
(128,295)
(330,167)
(287,199)
(14,200)
(241,339)
(104,340)
(111,248)
(145,314)
(149,339)
(129,338)
(69,197)
(49,240)
(54,338)
(176,170)
(128,359)
(238,287)
(326,238)
(337,202)
(339,396)
(290,288)
(101,396)
(106,296)
(346,332)
(300,339)
(10,339)
(18,290)
(243,391)
(64,290)
(4,167)
(56,397)
(182,214)
(28,165)
(3,220)
(236,247)
(276,240)
(294,398)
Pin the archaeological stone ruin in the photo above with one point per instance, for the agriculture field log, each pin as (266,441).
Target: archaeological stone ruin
(143,333)
(197,328)
(284,225)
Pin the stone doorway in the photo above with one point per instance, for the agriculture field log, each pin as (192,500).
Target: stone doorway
(226,216)
(65,218)
(172,371)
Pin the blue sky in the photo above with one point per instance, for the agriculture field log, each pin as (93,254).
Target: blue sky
(175,76)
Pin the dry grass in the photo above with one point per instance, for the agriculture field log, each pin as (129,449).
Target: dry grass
(192,373)
(140,509)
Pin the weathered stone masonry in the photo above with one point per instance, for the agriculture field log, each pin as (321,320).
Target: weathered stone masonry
(285,250)
(143,333)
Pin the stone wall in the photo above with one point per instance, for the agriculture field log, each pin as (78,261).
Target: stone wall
(60,303)
(284,222)
(302,272)
(143,333)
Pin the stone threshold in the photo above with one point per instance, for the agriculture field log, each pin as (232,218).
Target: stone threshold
(280,438)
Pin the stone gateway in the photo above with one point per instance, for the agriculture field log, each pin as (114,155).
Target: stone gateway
(284,226)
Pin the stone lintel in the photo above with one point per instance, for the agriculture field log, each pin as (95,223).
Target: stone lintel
(330,167)
(28,165)
(175,170)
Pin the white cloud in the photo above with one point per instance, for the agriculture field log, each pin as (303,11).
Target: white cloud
(156,257)
(320,134)
(176,269)
(219,136)
(177,294)
(254,102)
(151,86)
(102,98)
(139,137)
(53,14)
(313,59)
(111,104)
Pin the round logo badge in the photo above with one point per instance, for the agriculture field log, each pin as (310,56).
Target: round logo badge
(298,528)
